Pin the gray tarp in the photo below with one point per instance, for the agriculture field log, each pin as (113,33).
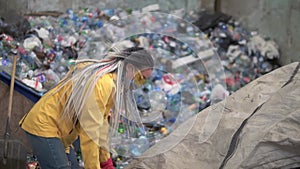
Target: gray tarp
(259,127)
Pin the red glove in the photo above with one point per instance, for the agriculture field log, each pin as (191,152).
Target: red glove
(107,165)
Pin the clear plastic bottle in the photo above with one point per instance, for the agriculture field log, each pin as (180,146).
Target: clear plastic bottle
(158,100)
(140,145)
(142,99)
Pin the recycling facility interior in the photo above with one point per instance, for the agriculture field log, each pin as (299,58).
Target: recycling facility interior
(274,19)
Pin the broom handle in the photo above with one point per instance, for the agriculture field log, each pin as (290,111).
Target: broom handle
(12,83)
(7,132)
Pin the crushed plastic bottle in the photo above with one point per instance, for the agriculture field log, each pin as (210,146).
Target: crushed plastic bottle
(139,146)
(142,99)
(158,100)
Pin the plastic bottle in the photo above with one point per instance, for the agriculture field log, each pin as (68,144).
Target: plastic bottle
(140,145)
(158,100)
(142,99)
(36,59)
(173,102)
(6,65)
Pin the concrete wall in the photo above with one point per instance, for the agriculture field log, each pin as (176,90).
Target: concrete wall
(278,19)
(27,6)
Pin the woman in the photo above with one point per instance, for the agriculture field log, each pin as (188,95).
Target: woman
(80,105)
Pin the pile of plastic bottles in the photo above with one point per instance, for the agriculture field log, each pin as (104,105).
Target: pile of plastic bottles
(245,55)
(189,72)
(50,47)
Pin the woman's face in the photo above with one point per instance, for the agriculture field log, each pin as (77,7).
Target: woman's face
(139,77)
(147,72)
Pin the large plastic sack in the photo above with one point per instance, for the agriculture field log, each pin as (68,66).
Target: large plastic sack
(259,128)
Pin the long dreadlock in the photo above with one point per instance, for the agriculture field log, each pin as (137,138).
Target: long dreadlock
(84,79)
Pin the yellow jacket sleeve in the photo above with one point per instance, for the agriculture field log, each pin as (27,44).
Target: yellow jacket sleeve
(69,139)
(104,155)
(94,124)
(89,150)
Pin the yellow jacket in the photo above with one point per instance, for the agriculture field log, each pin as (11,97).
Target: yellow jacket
(44,120)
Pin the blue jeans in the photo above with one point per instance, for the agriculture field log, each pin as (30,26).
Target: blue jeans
(73,159)
(50,152)
(76,145)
